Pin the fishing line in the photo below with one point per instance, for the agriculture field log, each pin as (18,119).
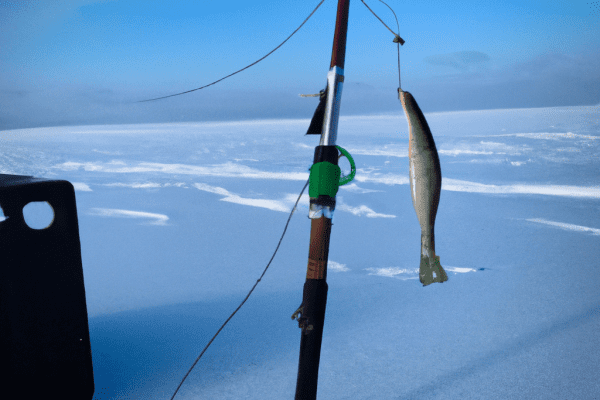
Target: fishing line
(246,67)
(249,293)
(397,38)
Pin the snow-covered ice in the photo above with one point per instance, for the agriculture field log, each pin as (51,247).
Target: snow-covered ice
(177,221)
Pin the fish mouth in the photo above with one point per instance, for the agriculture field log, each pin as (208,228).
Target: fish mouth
(403,96)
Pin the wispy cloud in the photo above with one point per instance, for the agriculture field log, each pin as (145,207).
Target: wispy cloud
(563,225)
(14,93)
(548,66)
(467,78)
(156,219)
(460,60)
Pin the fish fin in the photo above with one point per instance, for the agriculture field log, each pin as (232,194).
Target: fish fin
(430,272)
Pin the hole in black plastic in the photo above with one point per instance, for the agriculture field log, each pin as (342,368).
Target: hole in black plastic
(38,214)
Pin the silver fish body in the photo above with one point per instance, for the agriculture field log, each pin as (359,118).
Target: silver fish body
(425,186)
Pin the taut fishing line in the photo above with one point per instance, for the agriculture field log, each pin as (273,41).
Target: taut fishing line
(246,67)
(291,213)
(397,38)
(249,293)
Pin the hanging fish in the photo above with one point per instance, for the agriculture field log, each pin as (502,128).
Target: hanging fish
(425,186)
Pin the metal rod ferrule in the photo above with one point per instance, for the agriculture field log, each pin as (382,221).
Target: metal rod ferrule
(335,79)
(317,211)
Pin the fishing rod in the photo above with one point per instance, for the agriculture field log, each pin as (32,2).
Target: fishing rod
(324,182)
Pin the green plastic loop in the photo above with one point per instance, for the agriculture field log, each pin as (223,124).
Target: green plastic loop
(348,178)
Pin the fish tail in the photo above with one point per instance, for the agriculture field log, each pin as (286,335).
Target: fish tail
(431,270)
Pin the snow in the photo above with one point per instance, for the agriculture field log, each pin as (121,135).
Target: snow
(177,221)
(157,219)
(566,226)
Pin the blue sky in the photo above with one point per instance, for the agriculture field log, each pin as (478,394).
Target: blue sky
(87,62)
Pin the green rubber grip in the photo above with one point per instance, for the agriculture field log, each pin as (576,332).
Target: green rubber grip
(324,179)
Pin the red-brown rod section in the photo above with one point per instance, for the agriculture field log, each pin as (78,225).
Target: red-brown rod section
(318,253)
(338,54)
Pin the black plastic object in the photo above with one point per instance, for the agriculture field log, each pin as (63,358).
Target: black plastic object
(44,336)
(313,319)
(316,123)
